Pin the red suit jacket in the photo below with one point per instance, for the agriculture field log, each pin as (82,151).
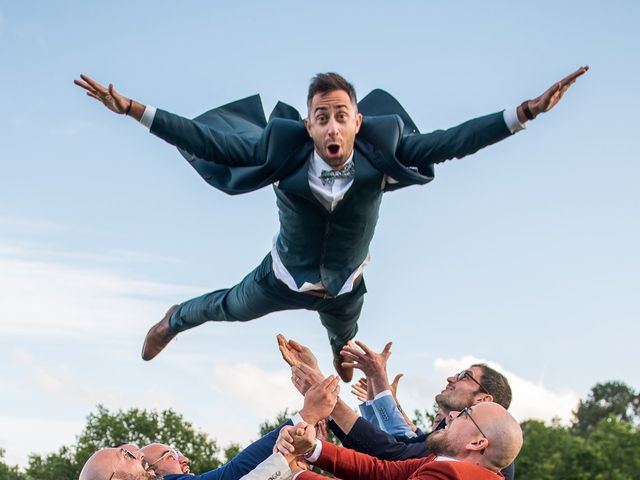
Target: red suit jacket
(351,465)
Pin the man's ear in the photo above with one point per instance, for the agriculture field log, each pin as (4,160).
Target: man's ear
(477,445)
(358,121)
(307,125)
(482,397)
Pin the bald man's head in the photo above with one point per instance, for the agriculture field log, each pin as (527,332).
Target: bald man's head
(121,463)
(485,434)
(166,460)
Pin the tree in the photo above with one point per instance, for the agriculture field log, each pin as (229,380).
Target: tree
(106,429)
(8,472)
(607,400)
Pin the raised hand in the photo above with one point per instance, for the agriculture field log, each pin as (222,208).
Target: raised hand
(553,94)
(359,389)
(107,96)
(394,386)
(295,353)
(320,399)
(365,359)
(303,377)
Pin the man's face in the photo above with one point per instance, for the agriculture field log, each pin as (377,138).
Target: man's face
(129,462)
(333,123)
(460,431)
(462,393)
(166,460)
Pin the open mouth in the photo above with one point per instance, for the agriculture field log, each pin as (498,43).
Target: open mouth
(333,149)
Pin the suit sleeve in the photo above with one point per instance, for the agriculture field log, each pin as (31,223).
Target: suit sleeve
(246,460)
(366,438)
(275,466)
(352,465)
(202,141)
(420,150)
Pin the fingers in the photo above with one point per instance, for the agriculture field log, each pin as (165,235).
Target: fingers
(386,351)
(284,350)
(396,379)
(573,76)
(364,348)
(296,346)
(92,84)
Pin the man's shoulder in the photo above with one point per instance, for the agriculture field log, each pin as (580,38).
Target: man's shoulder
(458,471)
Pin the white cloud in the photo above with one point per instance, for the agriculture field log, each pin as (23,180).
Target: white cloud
(530,399)
(44,297)
(263,393)
(21,435)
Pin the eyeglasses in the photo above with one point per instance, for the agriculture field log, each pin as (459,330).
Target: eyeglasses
(469,374)
(467,412)
(124,453)
(171,451)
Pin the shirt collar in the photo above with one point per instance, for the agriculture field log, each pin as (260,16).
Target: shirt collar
(318,164)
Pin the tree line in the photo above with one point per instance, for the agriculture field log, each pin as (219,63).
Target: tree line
(601,443)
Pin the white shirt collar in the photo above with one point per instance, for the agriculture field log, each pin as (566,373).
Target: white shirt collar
(318,164)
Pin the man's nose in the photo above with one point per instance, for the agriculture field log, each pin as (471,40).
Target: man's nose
(452,379)
(333,127)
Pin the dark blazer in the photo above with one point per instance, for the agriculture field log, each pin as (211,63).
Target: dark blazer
(367,438)
(235,150)
(242,463)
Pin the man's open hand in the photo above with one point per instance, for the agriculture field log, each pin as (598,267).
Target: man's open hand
(553,94)
(295,353)
(107,96)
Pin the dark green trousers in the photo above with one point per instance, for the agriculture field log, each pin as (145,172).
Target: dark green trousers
(261,293)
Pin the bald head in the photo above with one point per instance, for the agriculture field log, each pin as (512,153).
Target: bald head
(121,462)
(166,460)
(504,433)
(485,434)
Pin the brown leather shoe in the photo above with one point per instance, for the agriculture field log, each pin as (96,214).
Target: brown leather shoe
(158,336)
(346,373)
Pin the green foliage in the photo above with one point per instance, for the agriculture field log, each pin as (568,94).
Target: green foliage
(141,427)
(602,443)
(267,426)
(424,419)
(230,452)
(610,399)
(9,472)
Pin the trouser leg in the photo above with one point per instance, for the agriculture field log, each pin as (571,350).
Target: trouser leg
(340,316)
(258,294)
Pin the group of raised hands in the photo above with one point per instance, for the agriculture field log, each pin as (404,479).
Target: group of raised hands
(321,394)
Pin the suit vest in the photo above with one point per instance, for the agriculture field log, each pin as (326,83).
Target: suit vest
(316,244)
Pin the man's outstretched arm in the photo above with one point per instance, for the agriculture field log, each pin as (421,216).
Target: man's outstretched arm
(469,137)
(191,136)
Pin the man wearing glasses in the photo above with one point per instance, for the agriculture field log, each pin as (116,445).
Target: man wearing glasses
(477,384)
(167,463)
(166,460)
(477,443)
(126,462)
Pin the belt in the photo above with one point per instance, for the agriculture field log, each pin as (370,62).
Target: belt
(325,295)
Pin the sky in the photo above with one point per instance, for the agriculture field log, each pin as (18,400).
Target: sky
(523,255)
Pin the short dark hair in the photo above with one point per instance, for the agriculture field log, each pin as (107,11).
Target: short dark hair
(328,82)
(496,384)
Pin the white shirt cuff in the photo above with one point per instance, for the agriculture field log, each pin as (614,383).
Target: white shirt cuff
(148,116)
(297,418)
(510,116)
(384,393)
(315,453)
(297,474)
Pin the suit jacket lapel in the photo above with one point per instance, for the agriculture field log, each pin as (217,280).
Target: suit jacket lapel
(298,182)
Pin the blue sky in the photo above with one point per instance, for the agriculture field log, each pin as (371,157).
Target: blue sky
(524,255)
